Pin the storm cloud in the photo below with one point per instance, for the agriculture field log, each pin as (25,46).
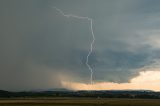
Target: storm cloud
(40,47)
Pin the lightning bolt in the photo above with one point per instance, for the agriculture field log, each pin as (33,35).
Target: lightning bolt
(92,32)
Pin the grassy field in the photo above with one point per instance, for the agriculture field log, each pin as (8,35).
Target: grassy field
(79,102)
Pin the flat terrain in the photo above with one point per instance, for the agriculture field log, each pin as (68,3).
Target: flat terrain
(79,102)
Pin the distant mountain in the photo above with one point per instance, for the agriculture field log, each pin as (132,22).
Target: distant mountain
(52,89)
(3,91)
(57,89)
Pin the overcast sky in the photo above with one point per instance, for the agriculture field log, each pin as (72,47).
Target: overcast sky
(39,47)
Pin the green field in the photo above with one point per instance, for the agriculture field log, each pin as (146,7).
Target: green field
(79,102)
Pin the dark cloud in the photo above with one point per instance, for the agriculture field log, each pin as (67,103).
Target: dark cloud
(39,46)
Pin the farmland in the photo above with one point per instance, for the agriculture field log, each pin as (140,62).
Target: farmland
(80,98)
(79,102)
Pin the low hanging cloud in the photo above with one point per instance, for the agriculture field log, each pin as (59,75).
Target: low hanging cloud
(148,79)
